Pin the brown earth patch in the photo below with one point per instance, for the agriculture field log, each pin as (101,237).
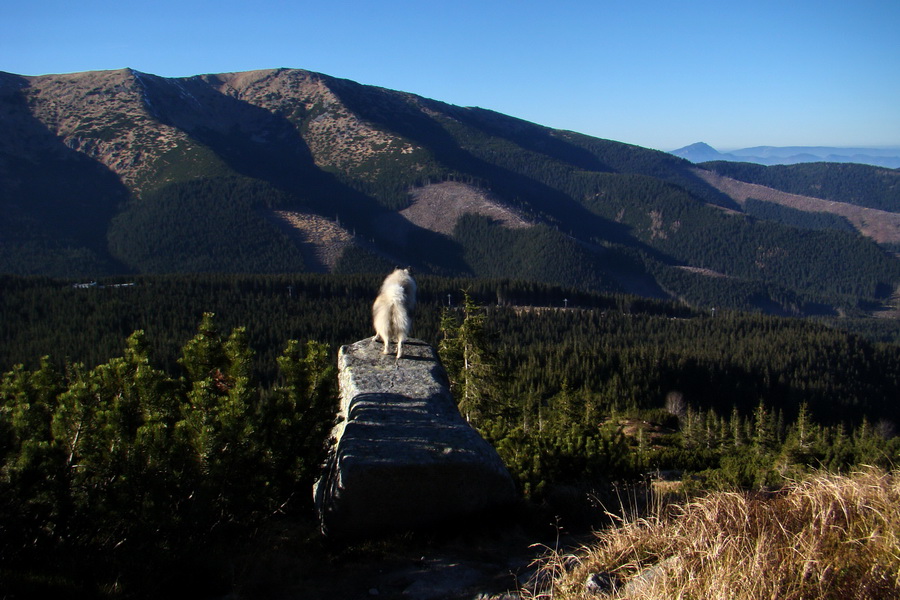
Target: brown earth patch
(325,240)
(437,207)
(701,271)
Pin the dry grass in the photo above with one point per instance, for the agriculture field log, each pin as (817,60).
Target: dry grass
(828,536)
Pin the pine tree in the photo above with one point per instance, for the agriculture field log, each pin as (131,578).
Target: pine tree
(804,429)
(738,435)
(297,418)
(764,433)
(472,369)
(218,422)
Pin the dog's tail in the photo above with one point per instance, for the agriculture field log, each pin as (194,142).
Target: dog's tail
(400,318)
(400,321)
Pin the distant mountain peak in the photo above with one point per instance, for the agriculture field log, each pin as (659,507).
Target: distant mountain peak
(789,155)
(698,146)
(698,152)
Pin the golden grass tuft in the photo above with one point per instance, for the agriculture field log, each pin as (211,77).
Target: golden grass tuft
(825,537)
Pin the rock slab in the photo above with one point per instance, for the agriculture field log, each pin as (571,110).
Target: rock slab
(404,456)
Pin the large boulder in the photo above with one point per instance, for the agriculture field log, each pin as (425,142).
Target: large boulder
(404,455)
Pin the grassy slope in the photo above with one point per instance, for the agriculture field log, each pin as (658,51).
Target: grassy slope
(831,536)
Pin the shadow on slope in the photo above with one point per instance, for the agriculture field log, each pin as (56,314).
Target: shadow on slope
(57,203)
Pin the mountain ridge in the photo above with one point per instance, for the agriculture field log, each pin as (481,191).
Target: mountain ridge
(701,152)
(286,170)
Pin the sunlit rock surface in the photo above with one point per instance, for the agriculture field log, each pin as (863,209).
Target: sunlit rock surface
(404,456)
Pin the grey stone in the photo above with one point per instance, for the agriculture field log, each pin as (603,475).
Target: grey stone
(600,583)
(646,579)
(404,456)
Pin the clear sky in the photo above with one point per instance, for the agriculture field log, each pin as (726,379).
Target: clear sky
(661,74)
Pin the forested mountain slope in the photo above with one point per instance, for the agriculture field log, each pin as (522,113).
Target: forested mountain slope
(126,172)
(808,212)
(863,185)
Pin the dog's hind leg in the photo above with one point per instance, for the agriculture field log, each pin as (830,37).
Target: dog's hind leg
(384,339)
(400,339)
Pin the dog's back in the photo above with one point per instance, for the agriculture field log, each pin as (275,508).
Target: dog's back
(392,311)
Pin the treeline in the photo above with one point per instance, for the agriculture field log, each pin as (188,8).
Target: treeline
(43,316)
(619,362)
(863,185)
(618,353)
(40,316)
(623,352)
(579,398)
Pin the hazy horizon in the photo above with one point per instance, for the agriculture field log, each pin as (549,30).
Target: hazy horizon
(889,148)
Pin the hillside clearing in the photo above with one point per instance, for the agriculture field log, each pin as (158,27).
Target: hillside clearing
(882,226)
(324,239)
(439,206)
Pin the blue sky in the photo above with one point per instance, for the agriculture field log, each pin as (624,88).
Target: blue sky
(660,74)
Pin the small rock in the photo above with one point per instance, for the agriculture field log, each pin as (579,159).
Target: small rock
(644,580)
(600,583)
(535,579)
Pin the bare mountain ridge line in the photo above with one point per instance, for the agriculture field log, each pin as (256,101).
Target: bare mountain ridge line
(879,225)
(100,114)
(277,95)
(199,159)
(128,120)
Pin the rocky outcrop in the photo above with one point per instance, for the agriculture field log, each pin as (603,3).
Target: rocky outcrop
(404,455)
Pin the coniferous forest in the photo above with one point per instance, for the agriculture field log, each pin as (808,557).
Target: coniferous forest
(145,419)
(239,172)
(164,423)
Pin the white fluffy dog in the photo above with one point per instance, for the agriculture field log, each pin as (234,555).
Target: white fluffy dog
(392,311)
